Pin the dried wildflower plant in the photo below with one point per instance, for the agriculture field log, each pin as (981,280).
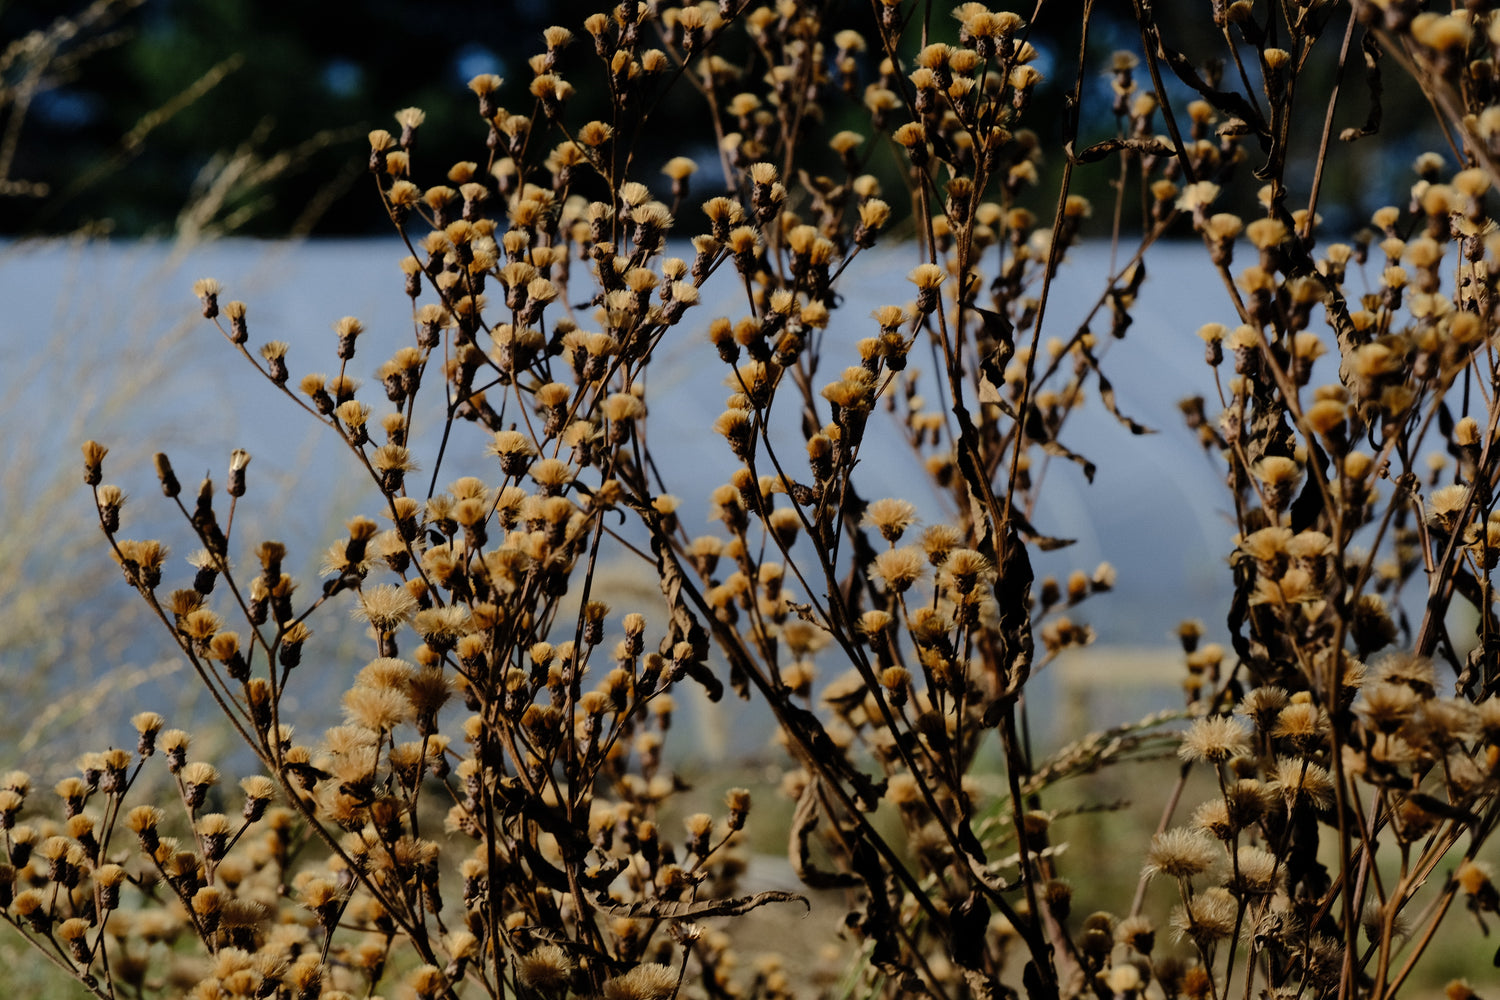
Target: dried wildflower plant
(489,817)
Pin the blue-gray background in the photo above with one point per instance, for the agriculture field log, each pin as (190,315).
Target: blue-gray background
(103,340)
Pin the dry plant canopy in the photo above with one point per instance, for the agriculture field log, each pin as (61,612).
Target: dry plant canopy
(502,812)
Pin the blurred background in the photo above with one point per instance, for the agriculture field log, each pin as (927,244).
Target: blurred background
(154,117)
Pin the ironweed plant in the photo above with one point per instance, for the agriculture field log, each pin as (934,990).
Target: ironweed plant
(489,819)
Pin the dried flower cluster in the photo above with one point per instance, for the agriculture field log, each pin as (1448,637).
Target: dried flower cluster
(490,819)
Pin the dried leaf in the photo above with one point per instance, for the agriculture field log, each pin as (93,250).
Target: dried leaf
(878,922)
(799,848)
(1371,50)
(1038,987)
(1437,807)
(1107,395)
(1108,147)
(684,626)
(1028,533)
(1055,447)
(967,924)
(989,393)
(656,909)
